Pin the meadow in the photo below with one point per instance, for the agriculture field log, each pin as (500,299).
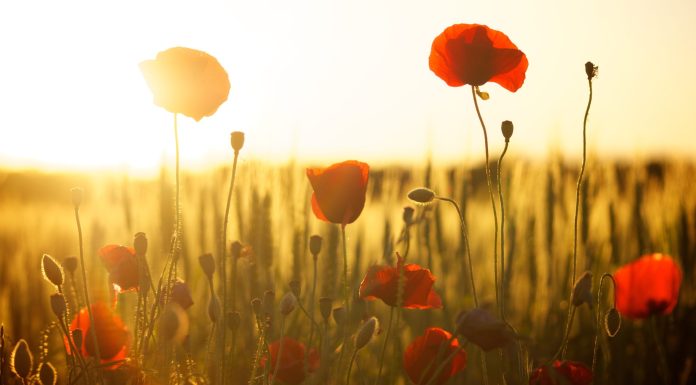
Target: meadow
(627,209)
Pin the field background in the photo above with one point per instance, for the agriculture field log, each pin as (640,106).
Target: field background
(628,208)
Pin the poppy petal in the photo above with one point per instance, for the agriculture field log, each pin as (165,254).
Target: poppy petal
(339,191)
(434,344)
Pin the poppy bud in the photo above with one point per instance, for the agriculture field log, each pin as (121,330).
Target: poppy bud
(407,216)
(237,140)
(173,323)
(325,307)
(288,303)
(207,263)
(256,306)
(47,374)
(590,70)
(236,250)
(21,360)
(367,330)
(295,287)
(52,271)
(70,264)
(58,304)
(339,315)
(140,244)
(421,195)
(214,308)
(582,290)
(315,244)
(77,337)
(268,301)
(181,294)
(482,94)
(234,319)
(506,127)
(77,195)
(612,322)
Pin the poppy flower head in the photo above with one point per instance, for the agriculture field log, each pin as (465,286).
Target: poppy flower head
(187,81)
(382,282)
(290,361)
(339,191)
(483,329)
(475,54)
(648,286)
(434,344)
(562,372)
(122,265)
(112,335)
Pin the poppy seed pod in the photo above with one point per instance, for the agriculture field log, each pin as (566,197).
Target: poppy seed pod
(421,195)
(407,215)
(367,330)
(612,322)
(77,194)
(256,306)
(214,309)
(315,244)
(591,70)
(234,319)
(237,140)
(47,374)
(582,290)
(51,270)
(325,307)
(21,359)
(295,287)
(58,304)
(506,127)
(339,315)
(288,303)
(207,262)
(140,244)
(236,250)
(70,264)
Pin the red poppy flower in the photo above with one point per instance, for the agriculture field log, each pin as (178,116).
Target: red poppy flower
(562,372)
(112,335)
(291,370)
(339,191)
(475,54)
(122,265)
(647,286)
(382,282)
(426,353)
(187,81)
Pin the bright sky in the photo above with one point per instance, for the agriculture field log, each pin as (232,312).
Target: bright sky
(331,80)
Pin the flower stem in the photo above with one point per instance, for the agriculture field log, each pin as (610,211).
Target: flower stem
(490,192)
(346,298)
(462,223)
(502,232)
(311,314)
(92,330)
(384,345)
(599,316)
(664,367)
(350,367)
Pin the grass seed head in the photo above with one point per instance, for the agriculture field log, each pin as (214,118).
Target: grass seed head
(51,270)
(58,305)
(367,330)
(21,360)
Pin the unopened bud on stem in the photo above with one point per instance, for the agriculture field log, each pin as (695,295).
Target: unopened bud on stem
(315,244)
(237,140)
(422,195)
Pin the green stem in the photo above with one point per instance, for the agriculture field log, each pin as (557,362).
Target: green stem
(311,313)
(92,331)
(384,345)
(490,192)
(350,367)
(502,232)
(465,235)
(599,316)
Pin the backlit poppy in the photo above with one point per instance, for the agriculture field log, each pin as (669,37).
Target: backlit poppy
(122,265)
(382,282)
(339,191)
(647,286)
(483,329)
(562,372)
(427,352)
(187,81)
(475,54)
(291,361)
(111,333)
